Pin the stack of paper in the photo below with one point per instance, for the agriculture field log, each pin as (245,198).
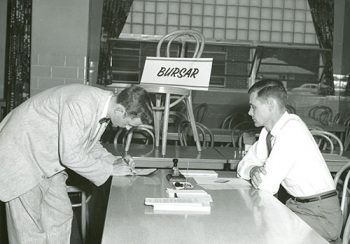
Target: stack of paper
(199,173)
(178,204)
(200,195)
(186,201)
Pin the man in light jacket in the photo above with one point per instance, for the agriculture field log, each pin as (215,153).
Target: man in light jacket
(57,129)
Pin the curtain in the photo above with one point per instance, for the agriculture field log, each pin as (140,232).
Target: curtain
(322,12)
(114,16)
(18,52)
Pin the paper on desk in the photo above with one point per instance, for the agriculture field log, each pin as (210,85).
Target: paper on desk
(210,183)
(143,172)
(140,172)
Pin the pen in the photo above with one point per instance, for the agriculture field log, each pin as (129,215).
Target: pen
(129,162)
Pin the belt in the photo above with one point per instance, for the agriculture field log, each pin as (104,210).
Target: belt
(316,198)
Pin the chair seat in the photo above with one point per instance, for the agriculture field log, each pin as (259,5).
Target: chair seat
(164,94)
(84,208)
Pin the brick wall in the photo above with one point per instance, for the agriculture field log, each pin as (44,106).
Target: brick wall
(59,42)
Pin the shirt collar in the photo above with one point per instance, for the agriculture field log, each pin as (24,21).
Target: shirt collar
(280,123)
(105,108)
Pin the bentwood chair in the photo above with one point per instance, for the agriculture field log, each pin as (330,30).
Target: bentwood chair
(141,132)
(291,109)
(200,112)
(342,184)
(204,133)
(328,142)
(321,113)
(239,129)
(83,205)
(166,96)
(341,181)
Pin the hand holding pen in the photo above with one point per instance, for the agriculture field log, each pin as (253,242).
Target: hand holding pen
(129,161)
(124,166)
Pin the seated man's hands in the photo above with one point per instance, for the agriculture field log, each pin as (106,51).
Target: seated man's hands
(255,175)
(124,166)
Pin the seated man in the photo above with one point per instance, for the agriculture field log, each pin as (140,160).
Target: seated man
(287,154)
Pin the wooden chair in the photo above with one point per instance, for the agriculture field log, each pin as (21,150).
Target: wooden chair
(328,142)
(83,204)
(204,133)
(143,132)
(341,181)
(246,138)
(346,232)
(234,118)
(200,112)
(239,129)
(321,113)
(164,93)
(346,138)
(291,109)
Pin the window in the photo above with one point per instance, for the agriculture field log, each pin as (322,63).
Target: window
(232,64)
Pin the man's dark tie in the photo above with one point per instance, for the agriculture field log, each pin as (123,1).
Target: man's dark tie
(268,143)
(282,194)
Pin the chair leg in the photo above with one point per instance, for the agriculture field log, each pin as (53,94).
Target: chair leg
(165,123)
(193,123)
(128,141)
(157,118)
(83,216)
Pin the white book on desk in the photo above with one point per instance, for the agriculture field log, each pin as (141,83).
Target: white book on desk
(199,173)
(184,208)
(178,204)
(199,195)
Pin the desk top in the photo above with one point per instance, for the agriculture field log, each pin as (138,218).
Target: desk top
(334,161)
(220,135)
(237,216)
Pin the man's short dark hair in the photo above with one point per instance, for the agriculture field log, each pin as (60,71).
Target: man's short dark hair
(270,88)
(137,103)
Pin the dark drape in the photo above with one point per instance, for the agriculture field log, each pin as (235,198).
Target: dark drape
(114,16)
(322,12)
(18,52)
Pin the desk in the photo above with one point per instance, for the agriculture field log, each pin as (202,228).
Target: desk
(334,161)
(237,216)
(220,135)
(233,156)
(147,156)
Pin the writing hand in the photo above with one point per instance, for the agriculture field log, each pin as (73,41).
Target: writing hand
(255,175)
(121,167)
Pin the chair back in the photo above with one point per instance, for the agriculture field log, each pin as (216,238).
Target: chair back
(204,133)
(184,37)
(341,181)
(328,142)
(200,112)
(291,109)
(322,114)
(238,130)
(347,133)
(142,132)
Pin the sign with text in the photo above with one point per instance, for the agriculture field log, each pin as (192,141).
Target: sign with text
(192,73)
